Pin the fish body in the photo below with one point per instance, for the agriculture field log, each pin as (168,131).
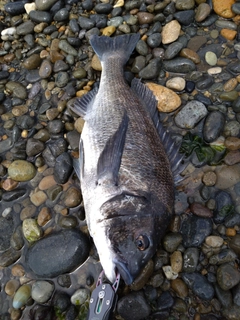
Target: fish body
(125,174)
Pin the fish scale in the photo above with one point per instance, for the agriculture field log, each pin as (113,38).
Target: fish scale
(125,174)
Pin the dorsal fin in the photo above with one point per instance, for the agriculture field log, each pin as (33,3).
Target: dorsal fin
(110,159)
(81,105)
(171,148)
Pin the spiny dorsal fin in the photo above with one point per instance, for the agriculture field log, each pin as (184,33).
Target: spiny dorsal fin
(110,159)
(172,150)
(81,105)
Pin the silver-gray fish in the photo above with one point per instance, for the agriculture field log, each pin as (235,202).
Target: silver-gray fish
(125,174)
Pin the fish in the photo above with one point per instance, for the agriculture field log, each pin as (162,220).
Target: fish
(126,175)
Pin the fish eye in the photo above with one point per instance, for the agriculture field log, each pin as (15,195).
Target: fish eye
(142,242)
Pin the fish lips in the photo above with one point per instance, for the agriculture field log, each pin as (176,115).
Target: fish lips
(124,271)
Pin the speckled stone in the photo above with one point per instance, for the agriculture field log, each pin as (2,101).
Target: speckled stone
(21,170)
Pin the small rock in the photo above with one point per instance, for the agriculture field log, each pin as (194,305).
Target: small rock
(176,261)
(95,63)
(31,230)
(199,285)
(21,296)
(73,197)
(11,287)
(228,176)
(203,10)
(234,244)
(211,58)
(171,241)
(169,273)
(145,17)
(63,168)
(168,100)
(209,178)
(224,8)
(47,182)
(44,216)
(227,276)
(38,198)
(214,241)
(32,62)
(200,210)
(180,288)
(133,306)
(42,291)
(45,69)
(21,170)
(176,83)
(170,32)
(190,114)
(190,259)
(80,296)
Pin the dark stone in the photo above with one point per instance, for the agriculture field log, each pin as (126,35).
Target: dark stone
(13,195)
(185,17)
(63,168)
(87,5)
(40,312)
(15,8)
(73,24)
(58,147)
(8,257)
(205,100)
(133,306)
(236,105)
(181,65)
(232,220)
(103,8)
(32,76)
(172,50)
(199,285)
(85,23)
(224,206)
(61,15)
(4,75)
(40,16)
(64,280)
(225,297)
(34,147)
(205,82)
(61,301)
(25,122)
(213,126)
(152,70)
(6,230)
(154,40)
(50,29)
(190,86)
(58,253)
(165,301)
(55,126)
(209,20)
(195,230)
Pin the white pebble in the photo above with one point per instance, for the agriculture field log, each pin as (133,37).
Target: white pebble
(8,32)
(169,273)
(80,296)
(176,83)
(6,212)
(214,70)
(30,7)
(211,58)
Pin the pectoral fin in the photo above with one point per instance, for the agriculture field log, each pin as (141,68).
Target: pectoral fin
(82,105)
(110,159)
(78,164)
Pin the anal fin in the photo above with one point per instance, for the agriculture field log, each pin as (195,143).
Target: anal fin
(110,159)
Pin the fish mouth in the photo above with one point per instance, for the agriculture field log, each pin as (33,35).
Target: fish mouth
(124,272)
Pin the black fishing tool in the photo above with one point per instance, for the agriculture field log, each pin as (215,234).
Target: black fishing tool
(103,299)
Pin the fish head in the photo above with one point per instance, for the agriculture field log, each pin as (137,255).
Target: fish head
(132,233)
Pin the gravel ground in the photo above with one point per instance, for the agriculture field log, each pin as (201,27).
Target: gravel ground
(188,56)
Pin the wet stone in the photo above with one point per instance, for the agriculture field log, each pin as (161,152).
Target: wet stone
(61,15)
(142,48)
(172,50)
(34,147)
(224,206)
(195,230)
(200,210)
(42,291)
(171,241)
(61,79)
(203,10)
(63,168)
(31,230)
(213,126)
(165,301)
(199,285)
(25,28)
(179,286)
(44,4)
(45,69)
(190,114)
(11,287)
(225,297)
(6,229)
(15,8)
(227,276)
(151,70)
(133,306)
(154,40)
(103,8)
(45,258)
(234,244)
(40,16)
(8,257)
(179,65)
(190,260)
(80,296)
(21,297)
(17,240)
(232,220)
(223,256)
(66,47)
(61,301)
(17,89)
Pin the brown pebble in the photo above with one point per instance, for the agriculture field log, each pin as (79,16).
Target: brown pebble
(200,210)
(203,10)
(16,314)
(209,178)
(9,57)
(73,197)
(232,157)
(44,216)
(38,198)
(224,8)
(95,63)
(230,85)
(231,232)
(176,261)
(190,54)
(142,279)
(47,182)
(18,270)
(232,143)
(45,69)
(9,184)
(52,113)
(32,62)
(11,287)
(28,212)
(145,17)
(179,287)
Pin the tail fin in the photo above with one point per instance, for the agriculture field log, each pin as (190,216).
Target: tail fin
(122,45)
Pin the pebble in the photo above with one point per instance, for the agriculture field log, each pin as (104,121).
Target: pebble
(169,273)
(8,257)
(80,296)
(133,306)
(234,244)
(21,170)
(45,258)
(190,260)
(227,276)
(228,176)
(21,296)
(171,241)
(179,65)
(145,17)
(200,210)
(176,83)
(45,69)
(17,89)
(209,178)
(143,277)
(63,168)
(31,230)
(151,70)
(67,48)
(213,126)
(190,114)
(42,291)
(40,16)
(176,261)
(170,32)
(11,287)
(165,301)
(202,12)
(195,230)
(214,241)
(47,182)
(6,229)
(223,256)
(180,288)
(224,8)
(228,34)
(61,15)
(167,99)
(185,4)
(172,50)
(199,285)
(211,58)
